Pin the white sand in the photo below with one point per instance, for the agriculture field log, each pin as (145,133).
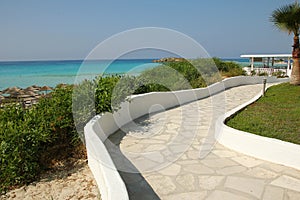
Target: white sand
(76,183)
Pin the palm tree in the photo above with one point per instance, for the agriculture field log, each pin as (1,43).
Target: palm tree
(287,18)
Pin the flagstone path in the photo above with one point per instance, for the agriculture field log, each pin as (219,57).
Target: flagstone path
(173,156)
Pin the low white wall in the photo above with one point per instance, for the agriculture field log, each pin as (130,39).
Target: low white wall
(99,128)
(109,182)
(268,149)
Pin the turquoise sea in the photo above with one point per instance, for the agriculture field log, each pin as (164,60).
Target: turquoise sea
(26,73)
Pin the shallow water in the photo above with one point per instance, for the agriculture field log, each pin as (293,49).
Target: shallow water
(26,73)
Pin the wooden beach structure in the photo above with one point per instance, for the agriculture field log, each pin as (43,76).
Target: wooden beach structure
(25,97)
(268,63)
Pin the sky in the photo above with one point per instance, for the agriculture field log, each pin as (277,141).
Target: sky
(71,29)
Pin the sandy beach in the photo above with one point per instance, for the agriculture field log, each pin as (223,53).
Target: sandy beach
(74,183)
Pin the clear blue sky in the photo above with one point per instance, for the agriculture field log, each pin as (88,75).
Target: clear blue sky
(62,29)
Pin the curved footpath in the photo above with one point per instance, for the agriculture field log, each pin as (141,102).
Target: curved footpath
(200,171)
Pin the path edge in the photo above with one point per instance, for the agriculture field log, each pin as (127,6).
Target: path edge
(268,149)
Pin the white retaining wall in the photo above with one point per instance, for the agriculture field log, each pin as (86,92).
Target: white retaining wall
(268,149)
(99,128)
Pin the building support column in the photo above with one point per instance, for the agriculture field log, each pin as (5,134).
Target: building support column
(252,64)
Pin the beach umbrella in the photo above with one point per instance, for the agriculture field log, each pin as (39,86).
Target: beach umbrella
(29,100)
(30,88)
(5,95)
(22,96)
(19,94)
(61,85)
(46,89)
(35,86)
(15,89)
(31,93)
(1,99)
(11,90)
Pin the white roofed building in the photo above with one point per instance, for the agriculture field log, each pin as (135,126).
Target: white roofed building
(269,63)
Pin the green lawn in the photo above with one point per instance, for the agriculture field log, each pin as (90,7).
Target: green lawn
(276,115)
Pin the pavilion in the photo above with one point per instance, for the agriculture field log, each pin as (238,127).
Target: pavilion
(269,60)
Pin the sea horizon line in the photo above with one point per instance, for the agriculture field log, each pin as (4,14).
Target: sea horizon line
(105,59)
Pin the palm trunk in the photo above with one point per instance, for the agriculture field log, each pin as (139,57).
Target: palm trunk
(295,76)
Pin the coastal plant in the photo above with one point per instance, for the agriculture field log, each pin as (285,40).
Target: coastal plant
(262,73)
(279,74)
(191,71)
(21,137)
(103,92)
(162,78)
(206,71)
(31,138)
(287,18)
(229,68)
(122,90)
(83,105)
(175,75)
(56,112)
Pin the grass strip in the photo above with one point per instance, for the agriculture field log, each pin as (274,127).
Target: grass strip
(276,115)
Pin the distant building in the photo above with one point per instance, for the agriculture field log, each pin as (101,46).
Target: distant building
(269,63)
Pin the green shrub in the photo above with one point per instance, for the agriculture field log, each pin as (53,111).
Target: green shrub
(26,134)
(279,74)
(204,71)
(180,75)
(163,78)
(262,74)
(103,93)
(192,72)
(83,105)
(19,146)
(229,69)
(55,113)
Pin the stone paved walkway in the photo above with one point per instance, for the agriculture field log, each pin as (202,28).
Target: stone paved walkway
(168,153)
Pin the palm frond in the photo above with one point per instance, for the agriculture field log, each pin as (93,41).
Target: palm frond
(287,18)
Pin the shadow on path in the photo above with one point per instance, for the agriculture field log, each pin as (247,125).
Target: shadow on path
(137,187)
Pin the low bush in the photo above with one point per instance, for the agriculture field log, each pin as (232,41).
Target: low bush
(20,138)
(26,134)
(229,69)
(262,74)
(279,74)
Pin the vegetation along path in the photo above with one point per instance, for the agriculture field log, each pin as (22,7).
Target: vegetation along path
(167,152)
